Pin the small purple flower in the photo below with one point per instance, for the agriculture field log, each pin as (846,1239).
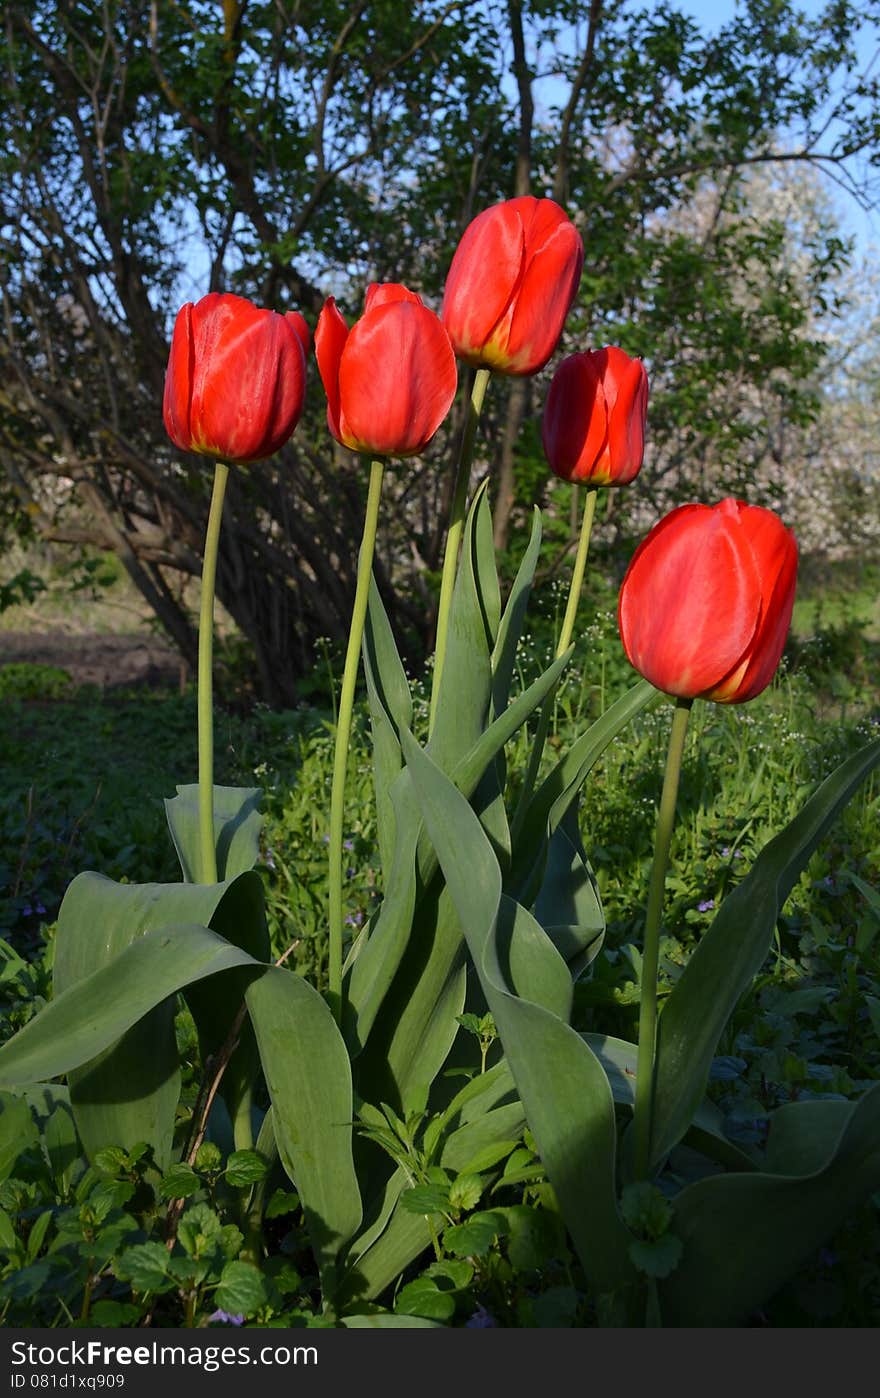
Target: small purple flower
(39,908)
(27,910)
(725,853)
(706,906)
(354,919)
(827,1258)
(350,873)
(348,844)
(326,839)
(481,1320)
(224,1318)
(269,860)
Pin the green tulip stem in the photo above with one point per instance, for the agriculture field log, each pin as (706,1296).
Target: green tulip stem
(565,635)
(651,954)
(456,525)
(343,732)
(206,679)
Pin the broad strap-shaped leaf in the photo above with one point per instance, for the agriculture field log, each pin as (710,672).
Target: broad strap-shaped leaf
(86,1018)
(733,951)
(237,825)
(411,1040)
(510,629)
(381,954)
(390,703)
(706,1133)
(307,1071)
(485,571)
(560,787)
(377,961)
(560,1082)
(130,1092)
(466,683)
(746,1234)
(568,906)
(303,1055)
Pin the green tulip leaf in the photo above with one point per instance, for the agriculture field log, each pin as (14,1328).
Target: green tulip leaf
(483,564)
(706,1131)
(560,1082)
(79,1023)
(373,971)
(390,704)
(732,952)
(237,825)
(130,1092)
(308,1074)
(412,1037)
(568,906)
(510,629)
(466,682)
(767,1224)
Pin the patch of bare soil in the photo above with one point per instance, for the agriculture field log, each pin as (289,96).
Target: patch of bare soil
(111,661)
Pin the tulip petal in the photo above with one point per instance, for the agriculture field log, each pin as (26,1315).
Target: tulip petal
(550,281)
(397,380)
(331,334)
(178,380)
(626,389)
(301,329)
(574,427)
(690,602)
(249,380)
(383,293)
(776,558)
(485,272)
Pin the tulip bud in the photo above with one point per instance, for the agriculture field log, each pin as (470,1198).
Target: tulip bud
(391,379)
(511,283)
(706,602)
(594,418)
(236,378)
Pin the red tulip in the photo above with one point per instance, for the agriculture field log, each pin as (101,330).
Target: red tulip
(594,418)
(512,280)
(706,602)
(236,378)
(391,379)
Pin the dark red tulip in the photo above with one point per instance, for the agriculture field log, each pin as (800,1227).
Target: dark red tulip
(706,602)
(512,280)
(594,418)
(391,379)
(236,378)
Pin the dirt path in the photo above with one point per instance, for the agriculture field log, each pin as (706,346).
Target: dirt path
(109,661)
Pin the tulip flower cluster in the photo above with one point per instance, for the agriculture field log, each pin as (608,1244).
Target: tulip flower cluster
(707,600)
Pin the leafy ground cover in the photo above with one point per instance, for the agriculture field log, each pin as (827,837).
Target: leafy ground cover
(84,780)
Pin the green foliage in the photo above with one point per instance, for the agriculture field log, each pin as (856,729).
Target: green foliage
(26,680)
(418,1186)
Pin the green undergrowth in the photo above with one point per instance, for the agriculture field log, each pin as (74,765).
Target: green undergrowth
(84,779)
